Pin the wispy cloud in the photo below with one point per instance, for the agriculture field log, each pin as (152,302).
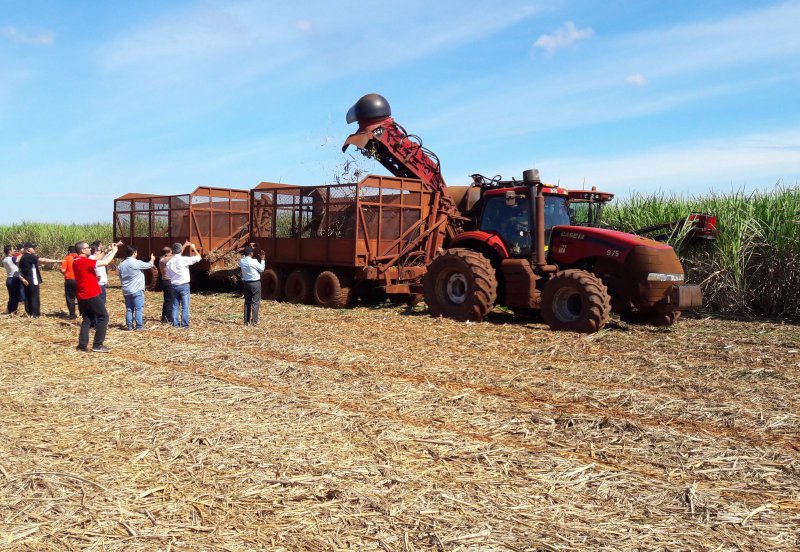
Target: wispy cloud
(44,38)
(304,25)
(255,39)
(687,60)
(753,161)
(636,79)
(566,35)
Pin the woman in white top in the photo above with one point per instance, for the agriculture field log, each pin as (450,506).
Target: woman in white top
(13,283)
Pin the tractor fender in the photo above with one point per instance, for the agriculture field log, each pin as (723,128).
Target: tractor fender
(488,242)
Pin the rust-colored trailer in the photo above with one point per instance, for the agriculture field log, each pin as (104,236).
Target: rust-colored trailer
(215,219)
(322,242)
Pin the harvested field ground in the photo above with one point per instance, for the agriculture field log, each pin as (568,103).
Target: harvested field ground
(384,429)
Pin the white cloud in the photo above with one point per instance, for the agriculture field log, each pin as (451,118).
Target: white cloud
(565,35)
(255,39)
(20,37)
(636,79)
(304,25)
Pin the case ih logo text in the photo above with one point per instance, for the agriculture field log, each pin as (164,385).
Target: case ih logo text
(573,235)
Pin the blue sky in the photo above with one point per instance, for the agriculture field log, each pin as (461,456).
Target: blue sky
(98,99)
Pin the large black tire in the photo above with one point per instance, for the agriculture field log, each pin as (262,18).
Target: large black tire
(272,285)
(332,290)
(299,287)
(575,301)
(460,284)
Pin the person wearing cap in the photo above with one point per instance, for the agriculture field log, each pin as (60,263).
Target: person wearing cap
(251,284)
(90,305)
(166,286)
(179,277)
(31,278)
(69,281)
(132,278)
(13,283)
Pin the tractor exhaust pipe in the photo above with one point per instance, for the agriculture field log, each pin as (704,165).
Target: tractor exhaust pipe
(539,261)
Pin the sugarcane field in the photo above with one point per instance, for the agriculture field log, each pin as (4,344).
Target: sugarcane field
(515,276)
(392,430)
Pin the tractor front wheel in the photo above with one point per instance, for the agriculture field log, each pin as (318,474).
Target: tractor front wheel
(460,284)
(575,301)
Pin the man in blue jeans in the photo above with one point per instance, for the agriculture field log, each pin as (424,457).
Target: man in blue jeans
(178,274)
(132,278)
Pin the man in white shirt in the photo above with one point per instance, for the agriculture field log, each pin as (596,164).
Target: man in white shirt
(251,284)
(179,277)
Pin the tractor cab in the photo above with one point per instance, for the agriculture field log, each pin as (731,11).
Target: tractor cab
(507,213)
(586,206)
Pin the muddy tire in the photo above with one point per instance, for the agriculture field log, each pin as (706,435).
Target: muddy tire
(575,301)
(272,285)
(299,288)
(332,290)
(460,284)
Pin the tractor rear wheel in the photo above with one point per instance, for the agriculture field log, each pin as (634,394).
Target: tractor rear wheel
(272,285)
(575,301)
(332,290)
(460,284)
(299,287)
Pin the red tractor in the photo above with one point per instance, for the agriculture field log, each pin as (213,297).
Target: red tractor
(513,243)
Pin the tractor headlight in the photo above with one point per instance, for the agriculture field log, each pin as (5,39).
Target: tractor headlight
(661,277)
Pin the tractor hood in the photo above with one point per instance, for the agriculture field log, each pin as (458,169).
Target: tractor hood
(606,236)
(572,244)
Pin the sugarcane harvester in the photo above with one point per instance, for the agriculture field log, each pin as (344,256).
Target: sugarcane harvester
(513,243)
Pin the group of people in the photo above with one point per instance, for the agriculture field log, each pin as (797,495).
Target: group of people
(86,278)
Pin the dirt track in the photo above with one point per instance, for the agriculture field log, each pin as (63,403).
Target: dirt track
(384,429)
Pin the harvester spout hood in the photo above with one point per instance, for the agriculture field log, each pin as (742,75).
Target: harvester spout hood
(371,106)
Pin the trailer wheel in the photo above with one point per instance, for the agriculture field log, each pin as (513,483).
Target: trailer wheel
(460,284)
(272,285)
(299,287)
(575,301)
(332,290)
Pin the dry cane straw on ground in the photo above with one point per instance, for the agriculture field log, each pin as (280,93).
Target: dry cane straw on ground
(384,429)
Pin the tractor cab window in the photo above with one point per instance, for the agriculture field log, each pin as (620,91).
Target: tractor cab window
(586,213)
(556,213)
(511,222)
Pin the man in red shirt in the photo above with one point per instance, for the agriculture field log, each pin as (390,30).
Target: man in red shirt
(69,280)
(90,304)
